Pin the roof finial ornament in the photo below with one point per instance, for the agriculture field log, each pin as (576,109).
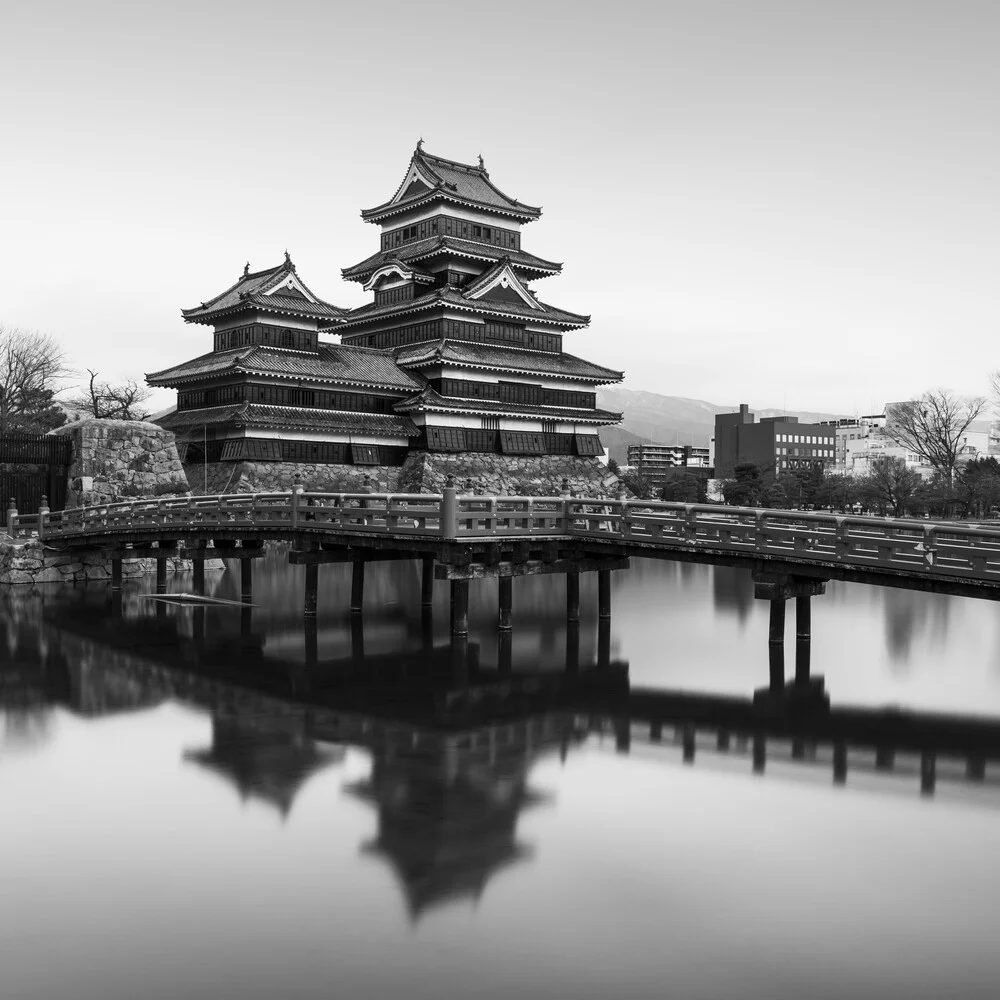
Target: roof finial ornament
(482,166)
(420,144)
(246,269)
(288,257)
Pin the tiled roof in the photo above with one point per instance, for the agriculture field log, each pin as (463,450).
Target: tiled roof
(429,400)
(250,291)
(467,355)
(455,181)
(434,245)
(333,363)
(452,297)
(294,417)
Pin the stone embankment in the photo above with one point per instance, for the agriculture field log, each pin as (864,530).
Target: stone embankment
(120,460)
(277,477)
(423,472)
(510,475)
(29,562)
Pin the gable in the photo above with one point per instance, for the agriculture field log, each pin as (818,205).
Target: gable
(502,285)
(501,293)
(416,187)
(417,182)
(291,286)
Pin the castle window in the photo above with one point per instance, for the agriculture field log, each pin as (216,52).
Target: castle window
(477,230)
(287,338)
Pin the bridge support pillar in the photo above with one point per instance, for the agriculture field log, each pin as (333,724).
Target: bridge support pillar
(506,601)
(161,575)
(246,580)
(116,573)
(573,597)
(604,593)
(803,639)
(459,607)
(776,646)
(311,590)
(357,587)
(427,583)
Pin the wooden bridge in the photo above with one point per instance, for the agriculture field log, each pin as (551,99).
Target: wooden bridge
(791,554)
(461,530)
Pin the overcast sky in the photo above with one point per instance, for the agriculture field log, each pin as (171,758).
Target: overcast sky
(789,203)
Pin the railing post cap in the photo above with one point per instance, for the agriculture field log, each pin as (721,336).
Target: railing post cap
(449,482)
(12,504)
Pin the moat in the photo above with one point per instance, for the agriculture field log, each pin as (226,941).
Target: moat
(240,802)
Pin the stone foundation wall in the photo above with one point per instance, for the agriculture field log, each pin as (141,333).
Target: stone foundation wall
(275,477)
(28,563)
(510,475)
(119,460)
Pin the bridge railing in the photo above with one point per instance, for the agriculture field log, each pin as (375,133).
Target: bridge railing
(930,548)
(883,543)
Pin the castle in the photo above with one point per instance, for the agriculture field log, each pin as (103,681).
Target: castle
(455,368)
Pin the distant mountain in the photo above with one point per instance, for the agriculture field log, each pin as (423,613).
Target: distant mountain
(656,419)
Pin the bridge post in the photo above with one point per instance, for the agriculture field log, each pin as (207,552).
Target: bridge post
(759,752)
(43,516)
(116,573)
(459,607)
(803,639)
(427,582)
(357,587)
(776,645)
(11,517)
(573,597)
(161,574)
(311,590)
(506,602)
(448,525)
(297,490)
(604,593)
(246,580)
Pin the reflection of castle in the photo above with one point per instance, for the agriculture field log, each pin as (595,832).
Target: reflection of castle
(452,742)
(448,807)
(263,759)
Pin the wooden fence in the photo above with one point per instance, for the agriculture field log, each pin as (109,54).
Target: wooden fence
(33,466)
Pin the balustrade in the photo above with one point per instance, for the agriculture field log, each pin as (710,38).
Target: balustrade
(942,550)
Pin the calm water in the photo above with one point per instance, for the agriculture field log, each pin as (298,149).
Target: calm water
(222,804)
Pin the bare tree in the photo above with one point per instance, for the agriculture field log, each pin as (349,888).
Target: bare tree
(932,427)
(114,402)
(889,487)
(31,367)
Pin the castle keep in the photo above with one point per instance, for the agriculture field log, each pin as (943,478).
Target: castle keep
(455,367)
